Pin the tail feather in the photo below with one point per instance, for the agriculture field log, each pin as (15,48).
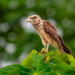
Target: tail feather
(64,47)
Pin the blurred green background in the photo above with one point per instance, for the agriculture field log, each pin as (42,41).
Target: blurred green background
(18,38)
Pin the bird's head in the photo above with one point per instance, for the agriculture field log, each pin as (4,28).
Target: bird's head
(33,19)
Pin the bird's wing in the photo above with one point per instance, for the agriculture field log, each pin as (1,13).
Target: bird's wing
(50,29)
(50,24)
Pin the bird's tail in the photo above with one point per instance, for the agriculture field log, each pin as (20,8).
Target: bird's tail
(64,47)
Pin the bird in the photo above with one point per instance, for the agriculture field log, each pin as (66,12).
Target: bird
(48,33)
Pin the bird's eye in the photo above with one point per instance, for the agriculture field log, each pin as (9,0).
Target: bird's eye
(31,18)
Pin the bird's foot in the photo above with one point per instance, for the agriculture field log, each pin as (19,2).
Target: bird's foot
(43,51)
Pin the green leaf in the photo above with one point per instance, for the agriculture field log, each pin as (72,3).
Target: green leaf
(36,59)
(54,73)
(71,59)
(28,62)
(38,64)
(50,53)
(15,70)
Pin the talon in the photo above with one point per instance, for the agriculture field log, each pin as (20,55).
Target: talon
(43,50)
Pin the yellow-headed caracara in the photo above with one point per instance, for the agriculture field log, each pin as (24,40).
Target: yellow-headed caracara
(48,33)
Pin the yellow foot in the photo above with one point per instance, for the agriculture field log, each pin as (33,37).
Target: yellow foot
(43,52)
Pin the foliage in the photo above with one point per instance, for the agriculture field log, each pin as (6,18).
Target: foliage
(59,64)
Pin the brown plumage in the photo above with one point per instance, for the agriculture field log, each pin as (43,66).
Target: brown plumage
(48,33)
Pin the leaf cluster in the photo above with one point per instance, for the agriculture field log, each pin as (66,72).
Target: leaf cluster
(59,64)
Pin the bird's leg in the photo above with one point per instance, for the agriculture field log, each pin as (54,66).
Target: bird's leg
(47,46)
(44,47)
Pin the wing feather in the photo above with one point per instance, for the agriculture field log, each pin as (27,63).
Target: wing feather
(50,24)
(50,29)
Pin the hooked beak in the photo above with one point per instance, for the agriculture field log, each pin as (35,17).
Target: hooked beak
(28,20)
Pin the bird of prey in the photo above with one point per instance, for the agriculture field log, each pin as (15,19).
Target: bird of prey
(48,33)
